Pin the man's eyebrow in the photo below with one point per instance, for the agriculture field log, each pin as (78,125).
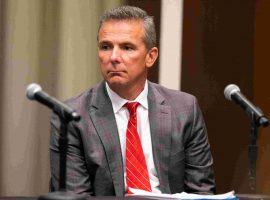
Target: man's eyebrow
(127,43)
(121,43)
(104,41)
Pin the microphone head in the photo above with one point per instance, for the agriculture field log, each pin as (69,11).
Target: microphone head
(32,89)
(229,90)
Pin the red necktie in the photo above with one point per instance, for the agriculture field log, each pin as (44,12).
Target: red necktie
(136,168)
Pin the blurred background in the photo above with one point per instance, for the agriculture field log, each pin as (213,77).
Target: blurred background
(204,46)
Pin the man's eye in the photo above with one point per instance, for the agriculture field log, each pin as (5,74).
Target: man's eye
(128,48)
(104,47)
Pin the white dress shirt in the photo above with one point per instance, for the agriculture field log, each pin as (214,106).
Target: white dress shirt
(122,116)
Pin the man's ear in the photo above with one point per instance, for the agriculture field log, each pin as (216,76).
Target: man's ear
(151,57)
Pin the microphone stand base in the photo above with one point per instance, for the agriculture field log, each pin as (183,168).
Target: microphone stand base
(62,195)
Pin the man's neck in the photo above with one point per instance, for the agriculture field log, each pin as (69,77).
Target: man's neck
(129,93)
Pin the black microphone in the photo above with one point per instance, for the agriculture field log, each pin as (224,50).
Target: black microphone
(34,92)
(232,92)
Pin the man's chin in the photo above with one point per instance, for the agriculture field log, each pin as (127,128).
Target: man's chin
(117,84)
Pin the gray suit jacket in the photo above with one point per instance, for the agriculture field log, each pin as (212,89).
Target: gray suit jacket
(181,150)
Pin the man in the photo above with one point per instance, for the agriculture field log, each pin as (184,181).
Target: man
(167,126)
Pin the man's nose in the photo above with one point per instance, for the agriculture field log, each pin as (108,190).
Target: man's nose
(116,55)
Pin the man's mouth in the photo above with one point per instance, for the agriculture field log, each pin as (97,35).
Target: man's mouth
(115,73)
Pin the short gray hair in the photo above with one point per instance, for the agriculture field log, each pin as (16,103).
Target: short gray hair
(131,12)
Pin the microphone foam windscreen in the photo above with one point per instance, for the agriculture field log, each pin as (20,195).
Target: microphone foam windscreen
(229,90)
(32,89)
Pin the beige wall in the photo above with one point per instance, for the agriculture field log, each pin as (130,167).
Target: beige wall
(170,44)
(51,42)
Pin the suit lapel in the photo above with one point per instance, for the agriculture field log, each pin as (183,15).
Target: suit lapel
(101,113)
(160,126)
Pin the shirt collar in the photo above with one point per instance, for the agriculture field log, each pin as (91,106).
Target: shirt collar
(118,102)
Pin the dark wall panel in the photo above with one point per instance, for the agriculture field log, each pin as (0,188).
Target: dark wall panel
(262,91)
(218,50)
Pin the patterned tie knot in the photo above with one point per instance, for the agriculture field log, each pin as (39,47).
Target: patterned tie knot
(132,108)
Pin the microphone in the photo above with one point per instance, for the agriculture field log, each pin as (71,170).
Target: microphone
(34,92)
(232,92)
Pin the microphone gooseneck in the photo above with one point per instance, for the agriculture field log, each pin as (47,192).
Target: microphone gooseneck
(34,92)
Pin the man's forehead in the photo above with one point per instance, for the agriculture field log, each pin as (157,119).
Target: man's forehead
(119,28)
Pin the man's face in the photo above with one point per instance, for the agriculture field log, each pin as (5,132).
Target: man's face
(124,58)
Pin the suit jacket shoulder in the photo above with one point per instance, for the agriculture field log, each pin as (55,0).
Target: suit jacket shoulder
(171,95)
(89,97)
